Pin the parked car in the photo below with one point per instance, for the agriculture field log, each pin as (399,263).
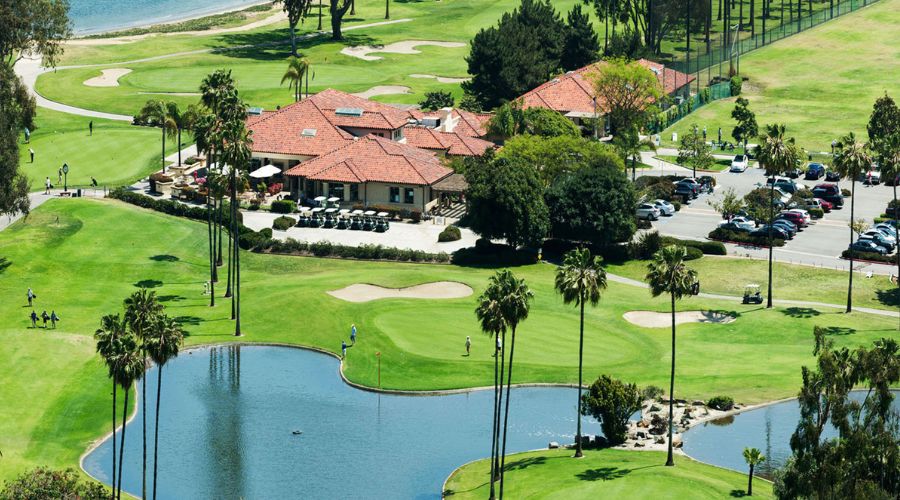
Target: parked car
(694,184)
(867,246)
(793,173)
(686,192)
(814,171)
(787,226)
(647,211)
(802,213)
(872,176)
(777,232)
(832,176)
(664,207)
(879,243)
(787,186)
(811,203)
(743,219)
(830,193)
(740,227)
(826,206)
(887,229)
(739,163)
(880,237)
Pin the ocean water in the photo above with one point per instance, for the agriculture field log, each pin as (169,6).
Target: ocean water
(92,16)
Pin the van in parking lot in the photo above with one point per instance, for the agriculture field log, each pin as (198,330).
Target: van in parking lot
(830,193)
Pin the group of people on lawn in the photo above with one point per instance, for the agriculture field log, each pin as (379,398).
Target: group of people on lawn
(52,317)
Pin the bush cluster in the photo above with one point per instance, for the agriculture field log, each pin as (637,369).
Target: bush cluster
(816,213)
(692,253)
(706,247)
(367,252)
(283,223)
(721,403)
(876,257)
(450,233)
(736,83)
(170,207)
(486,253)
(721,234)
(283,206)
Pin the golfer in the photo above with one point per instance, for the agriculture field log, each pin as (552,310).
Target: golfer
(45,317)
(47,186)
(31,296)
(34,318)
(343,349)
(53,319)
(352,333)
(468,345)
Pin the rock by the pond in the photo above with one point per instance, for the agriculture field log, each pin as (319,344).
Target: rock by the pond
(553,445)
(655,408)
(638,445)
(660,440)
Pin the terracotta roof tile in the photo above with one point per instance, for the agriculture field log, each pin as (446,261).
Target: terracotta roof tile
(374,159)
(453,143)
(282,131)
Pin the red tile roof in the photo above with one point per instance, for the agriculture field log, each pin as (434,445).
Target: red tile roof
(374,159)
(471,124)
(453,143)
(375,114)
(573,91)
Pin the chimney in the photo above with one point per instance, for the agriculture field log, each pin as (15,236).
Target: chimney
(447,121)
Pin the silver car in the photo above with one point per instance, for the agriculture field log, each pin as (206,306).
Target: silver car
(664,207)
(647,211)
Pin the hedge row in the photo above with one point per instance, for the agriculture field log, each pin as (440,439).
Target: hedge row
(875,257)
(328,249)
(172,207)
(721,234)
(706,247)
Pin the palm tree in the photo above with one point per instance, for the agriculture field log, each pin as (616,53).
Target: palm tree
(237,152)
(141,311)
(776,154)
(166,337)
(298,67)
(667,273)
(129,367)
(752,456)
(514,301)
(579,280)
(493,323)
(109,346)
(851,161)
(157,113)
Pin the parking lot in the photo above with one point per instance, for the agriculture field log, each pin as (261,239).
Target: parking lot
(819,244)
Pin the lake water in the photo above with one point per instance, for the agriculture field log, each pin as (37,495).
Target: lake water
(768,428)
(91,16)
(228,416)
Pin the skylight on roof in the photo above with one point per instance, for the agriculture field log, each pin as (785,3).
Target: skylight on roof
(254,111)
(349,111)
(308,132)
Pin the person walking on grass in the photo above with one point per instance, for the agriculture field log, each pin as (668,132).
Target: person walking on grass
(468,345)
(91,128)
(53,319)
(47,186)
(31,152)
(352,334)
(31,296)
(34,318)
(45,317)
(499,347)
(59,176)
(343,349)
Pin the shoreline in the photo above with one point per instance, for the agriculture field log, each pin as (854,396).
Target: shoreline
(179,18)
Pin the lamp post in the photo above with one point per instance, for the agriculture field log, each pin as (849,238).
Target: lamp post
(65,169)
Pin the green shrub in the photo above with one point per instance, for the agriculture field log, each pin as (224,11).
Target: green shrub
(450,233)
(283,206)
(736,83)
(43,482)
(651,392)
(253,207)
(486,253)
(721,403)
(646,245)
(721,234)
(845,192)
(283,223)
(612,402)
(693,253)
(816,213)
(875,257)
(677,205)
(707,247)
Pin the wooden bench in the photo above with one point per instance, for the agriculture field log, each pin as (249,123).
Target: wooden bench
(65,193)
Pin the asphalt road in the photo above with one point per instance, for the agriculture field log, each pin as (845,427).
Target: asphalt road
(820,244)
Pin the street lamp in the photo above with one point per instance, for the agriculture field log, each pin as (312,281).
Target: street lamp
(65,169)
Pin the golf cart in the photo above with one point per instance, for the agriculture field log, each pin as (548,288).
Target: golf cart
(752,295)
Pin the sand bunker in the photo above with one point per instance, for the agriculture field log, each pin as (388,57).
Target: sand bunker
(364,292)
(648,319)
(383,90)
(441,79)
(108,78)
(180,94)
(404,47)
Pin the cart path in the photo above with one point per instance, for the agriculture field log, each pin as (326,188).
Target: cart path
(29,69)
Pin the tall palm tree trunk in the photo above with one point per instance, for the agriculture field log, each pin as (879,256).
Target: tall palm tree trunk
(852,207)
(156,430)
(144,426)
(512,351)
(209,234)
(494,471)
(179,146)
(896,212)
(750,482)
(578,451)
(219,224)
(670,461)
(122,445)
(115,389)
(237,269)
(163,156)
(771,245)
(230,260)
(235,235)
(497,469)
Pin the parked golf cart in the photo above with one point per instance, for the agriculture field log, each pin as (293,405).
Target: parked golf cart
(752,295)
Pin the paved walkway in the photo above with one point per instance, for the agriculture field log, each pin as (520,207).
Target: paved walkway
(29,68)
(38,199)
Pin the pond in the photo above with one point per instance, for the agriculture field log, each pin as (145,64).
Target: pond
(722,442)
(91,16)
(229,413)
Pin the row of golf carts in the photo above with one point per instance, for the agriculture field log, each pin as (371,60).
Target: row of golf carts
(328,215)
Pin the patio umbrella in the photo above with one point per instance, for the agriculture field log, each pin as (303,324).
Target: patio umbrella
(265,171)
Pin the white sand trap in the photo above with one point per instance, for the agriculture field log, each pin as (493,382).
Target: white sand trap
(107,78)
(383,90)
(404,47)
(364,292)
(649,319)
(441,79)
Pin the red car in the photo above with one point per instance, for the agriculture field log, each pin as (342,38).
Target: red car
(795,217)
(826,205)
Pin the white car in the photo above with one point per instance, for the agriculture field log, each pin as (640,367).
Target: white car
(739,163)
(886,229)
(878,234)
(664,207)
(647,211)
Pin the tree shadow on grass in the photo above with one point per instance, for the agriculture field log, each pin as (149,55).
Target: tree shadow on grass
(275,45)
(148,284)
(170,298)
(165,258)
(4,263)
(800,312)
(603,474)
(889,297)
(839,330)
(738,493)
(524,463)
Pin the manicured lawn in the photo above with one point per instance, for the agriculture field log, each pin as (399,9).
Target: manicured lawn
(821,83)
(729,275)
(720,165)
(603,474)
(118,153)
(83,257)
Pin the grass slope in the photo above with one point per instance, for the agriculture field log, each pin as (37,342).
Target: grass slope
(118,153)
(603,474)
(821,83)
(83,257)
